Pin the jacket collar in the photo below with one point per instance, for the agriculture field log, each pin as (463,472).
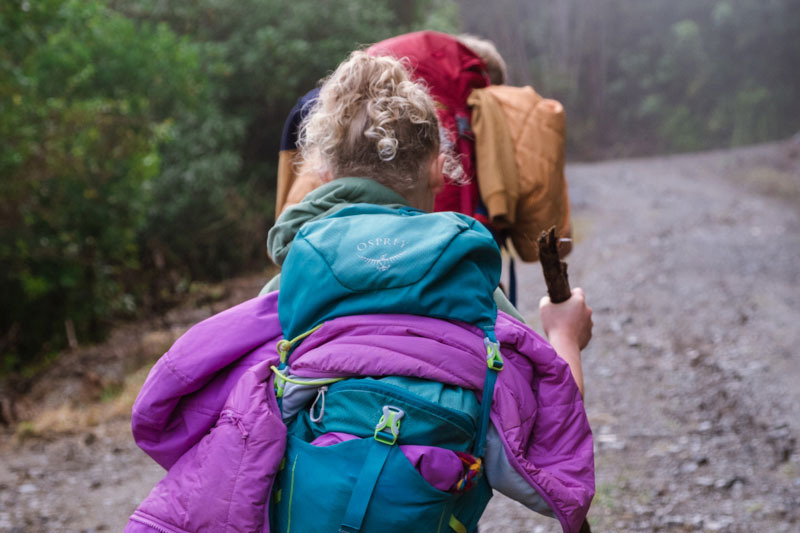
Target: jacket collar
(322,202)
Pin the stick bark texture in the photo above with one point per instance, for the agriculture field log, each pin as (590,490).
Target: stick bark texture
(554,269)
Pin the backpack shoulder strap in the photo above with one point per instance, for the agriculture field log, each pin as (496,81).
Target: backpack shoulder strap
(494,364)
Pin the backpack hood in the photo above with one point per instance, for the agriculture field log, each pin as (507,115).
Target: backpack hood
(448,68)
(402,260)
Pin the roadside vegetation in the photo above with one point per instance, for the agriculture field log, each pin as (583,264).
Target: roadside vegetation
(139,139)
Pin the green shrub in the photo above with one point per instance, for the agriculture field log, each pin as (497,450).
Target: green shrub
(85,97)
(140,142)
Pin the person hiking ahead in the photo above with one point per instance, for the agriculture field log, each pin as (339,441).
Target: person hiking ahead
(377,387)
(510,142)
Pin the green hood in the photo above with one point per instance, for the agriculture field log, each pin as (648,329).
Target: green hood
(324,201)
(328,199)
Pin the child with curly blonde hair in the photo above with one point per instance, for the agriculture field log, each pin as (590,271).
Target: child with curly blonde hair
(372,124)
(399,396)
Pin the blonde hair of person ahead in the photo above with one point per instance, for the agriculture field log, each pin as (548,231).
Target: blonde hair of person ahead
(371,120)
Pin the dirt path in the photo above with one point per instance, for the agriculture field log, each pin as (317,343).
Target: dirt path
(692,266)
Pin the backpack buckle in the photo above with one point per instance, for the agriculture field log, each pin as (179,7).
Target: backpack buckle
(390,419)
(493,358)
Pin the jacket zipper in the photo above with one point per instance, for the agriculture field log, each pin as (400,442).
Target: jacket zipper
(150,523)
(463,421)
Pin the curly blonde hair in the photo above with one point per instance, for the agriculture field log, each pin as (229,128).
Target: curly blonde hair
(371,120)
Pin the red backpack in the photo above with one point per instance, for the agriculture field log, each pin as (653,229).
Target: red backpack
(450,71)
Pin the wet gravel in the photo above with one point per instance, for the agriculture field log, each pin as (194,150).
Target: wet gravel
(692,267)
(89,481)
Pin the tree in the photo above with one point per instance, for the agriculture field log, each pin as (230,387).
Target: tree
(219,177)
(87,97)
(645,77)
(140,141)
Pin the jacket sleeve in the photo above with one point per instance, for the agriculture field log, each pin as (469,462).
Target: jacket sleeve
(541,421)
(544,198)
(186,389)
(504,479)
(496,167)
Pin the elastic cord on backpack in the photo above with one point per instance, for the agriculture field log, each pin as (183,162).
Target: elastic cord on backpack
(284,346)
(281,374)
(282,370)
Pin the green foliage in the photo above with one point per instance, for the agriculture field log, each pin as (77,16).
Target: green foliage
(218,179)
(85,96)
(140,140)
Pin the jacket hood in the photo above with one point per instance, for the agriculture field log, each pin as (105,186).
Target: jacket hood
(322,202)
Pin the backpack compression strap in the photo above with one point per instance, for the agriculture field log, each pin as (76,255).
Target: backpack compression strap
(386,433)
(494,363)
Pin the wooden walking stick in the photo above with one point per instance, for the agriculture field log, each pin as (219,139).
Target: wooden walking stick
(554,269)
(555,275)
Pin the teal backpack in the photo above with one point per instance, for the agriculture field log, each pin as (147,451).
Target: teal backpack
(368,259)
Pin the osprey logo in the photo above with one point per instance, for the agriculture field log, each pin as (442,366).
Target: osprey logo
(384,262)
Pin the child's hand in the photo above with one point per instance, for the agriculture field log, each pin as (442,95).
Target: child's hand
(569,321)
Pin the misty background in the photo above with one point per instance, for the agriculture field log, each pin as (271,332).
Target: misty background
(139,138)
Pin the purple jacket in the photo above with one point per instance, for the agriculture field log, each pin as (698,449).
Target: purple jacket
(208,414)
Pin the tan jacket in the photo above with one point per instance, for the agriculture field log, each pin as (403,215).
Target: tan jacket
(519,152)
(295,180)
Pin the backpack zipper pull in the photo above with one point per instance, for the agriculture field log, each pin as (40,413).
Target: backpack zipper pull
(321,399)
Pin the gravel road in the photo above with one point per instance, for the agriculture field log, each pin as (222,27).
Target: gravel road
(692,265)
